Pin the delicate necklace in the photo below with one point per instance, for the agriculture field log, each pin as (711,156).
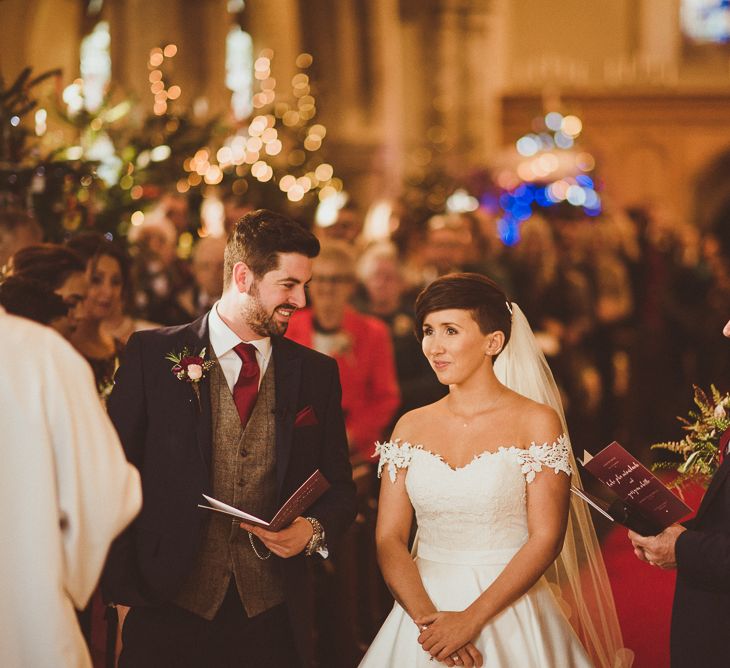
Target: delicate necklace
(466,419)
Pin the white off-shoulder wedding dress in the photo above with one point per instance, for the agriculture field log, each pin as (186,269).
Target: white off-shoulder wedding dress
(471,522)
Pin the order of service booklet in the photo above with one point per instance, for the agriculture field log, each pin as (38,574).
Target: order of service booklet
(644,504)
(307,493)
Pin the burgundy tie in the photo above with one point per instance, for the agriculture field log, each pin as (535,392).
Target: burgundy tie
(246,388)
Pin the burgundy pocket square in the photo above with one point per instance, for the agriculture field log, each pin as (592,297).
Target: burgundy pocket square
(306,417)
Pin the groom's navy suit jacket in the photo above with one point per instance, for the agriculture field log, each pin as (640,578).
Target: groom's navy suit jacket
(167,434)
(701,611)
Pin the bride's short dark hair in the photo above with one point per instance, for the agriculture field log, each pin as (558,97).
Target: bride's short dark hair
(475,293)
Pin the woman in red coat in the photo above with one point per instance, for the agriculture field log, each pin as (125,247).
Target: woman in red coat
(361,345)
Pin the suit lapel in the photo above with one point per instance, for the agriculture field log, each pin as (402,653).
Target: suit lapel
(197,338)
(287,374)
(715,484)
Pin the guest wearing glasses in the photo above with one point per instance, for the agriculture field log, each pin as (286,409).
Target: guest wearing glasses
(361,345)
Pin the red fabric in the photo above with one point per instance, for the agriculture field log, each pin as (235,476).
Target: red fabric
(306,417)
(246,388)
(643,594)
(370,394)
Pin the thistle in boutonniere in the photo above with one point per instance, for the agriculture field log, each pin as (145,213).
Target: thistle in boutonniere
(698,450)
(190,367)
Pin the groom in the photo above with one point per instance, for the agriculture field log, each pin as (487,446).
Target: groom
(700,551)
(247,427)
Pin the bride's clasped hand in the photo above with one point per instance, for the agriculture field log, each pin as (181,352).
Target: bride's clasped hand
(444,633)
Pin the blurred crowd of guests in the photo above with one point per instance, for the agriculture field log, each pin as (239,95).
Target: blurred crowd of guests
(624,305)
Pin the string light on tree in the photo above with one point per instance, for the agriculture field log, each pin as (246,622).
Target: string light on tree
(159,91)
(275,144)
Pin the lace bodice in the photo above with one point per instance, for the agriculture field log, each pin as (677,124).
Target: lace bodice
(482,505)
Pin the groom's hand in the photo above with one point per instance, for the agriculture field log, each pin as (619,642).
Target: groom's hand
(658,550)
(285,543)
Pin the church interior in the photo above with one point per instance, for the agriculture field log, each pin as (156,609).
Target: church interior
(578,152)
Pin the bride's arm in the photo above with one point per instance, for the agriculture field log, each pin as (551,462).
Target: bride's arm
(393,528)
(548,498)
(395,516)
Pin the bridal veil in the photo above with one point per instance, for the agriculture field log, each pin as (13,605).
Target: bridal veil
(578,576)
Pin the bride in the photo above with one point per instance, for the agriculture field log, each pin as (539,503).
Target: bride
(505,570)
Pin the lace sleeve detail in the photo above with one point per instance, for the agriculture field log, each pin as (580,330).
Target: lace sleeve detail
(395,454)
(554,455)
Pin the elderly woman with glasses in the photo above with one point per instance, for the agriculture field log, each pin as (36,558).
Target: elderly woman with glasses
(361,345)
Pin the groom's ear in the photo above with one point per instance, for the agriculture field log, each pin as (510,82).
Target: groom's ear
(495,343)
(242,277)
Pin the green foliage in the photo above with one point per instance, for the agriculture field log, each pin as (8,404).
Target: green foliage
(697,453)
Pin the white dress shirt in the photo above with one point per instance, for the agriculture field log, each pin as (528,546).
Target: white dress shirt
(223,340)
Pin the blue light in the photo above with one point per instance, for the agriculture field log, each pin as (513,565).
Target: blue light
(585,181)
(553,120)
(509,231)
(542,197)
(520,191)
(593,201)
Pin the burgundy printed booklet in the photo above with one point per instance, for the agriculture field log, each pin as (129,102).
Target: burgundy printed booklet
(309,491)
(644,504)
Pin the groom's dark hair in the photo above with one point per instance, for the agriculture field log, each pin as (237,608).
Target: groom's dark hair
(259,237)
(475,293)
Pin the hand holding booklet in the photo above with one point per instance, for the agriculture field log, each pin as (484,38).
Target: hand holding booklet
(307,493)
(644,504)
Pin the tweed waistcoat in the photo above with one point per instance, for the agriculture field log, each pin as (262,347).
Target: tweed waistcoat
(243,467)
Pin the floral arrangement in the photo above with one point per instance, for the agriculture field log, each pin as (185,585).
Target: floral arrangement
(190,367)
(699,451)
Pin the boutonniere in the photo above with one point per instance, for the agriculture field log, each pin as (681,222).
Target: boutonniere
(190,367)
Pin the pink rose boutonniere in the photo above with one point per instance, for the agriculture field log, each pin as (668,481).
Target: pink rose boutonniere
(190,367)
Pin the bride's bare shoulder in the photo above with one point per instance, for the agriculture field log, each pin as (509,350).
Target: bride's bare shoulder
(538,422)
(412,424)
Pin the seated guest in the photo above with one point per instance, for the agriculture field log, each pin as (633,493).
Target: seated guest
(107,270)
(385,296)
(17,230)
(66,490)
(360,344)
(207,266)
(50,269)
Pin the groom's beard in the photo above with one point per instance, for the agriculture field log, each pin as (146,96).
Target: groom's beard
(257,318)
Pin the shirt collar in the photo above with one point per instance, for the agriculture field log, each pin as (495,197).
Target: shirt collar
(223,339)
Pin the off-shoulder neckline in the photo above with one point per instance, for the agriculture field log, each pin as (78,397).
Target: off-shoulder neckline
(482,455)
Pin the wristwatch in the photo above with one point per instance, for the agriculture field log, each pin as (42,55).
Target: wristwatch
(317,541)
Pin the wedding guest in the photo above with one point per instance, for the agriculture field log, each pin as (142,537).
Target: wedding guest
(699,550)
(107,270)
(248,430)
(387,297)
(54,269)
(346,227)
(158,274)
(207,266)
(17,230)
(235,206)
(66,491)
(360,344)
